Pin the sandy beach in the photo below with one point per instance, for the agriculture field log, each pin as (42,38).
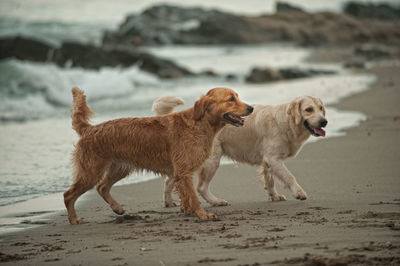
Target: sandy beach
(351,216)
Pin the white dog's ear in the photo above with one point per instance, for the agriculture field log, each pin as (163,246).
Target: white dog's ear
(323,107)
(295,111)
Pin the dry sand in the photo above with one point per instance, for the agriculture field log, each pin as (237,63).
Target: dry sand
(352,214)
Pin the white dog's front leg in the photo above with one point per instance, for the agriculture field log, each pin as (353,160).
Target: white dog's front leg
(269,185)
(168,187)
(280,170)
(205,192)
(206,173)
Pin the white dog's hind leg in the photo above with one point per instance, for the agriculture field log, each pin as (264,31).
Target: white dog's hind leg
(168,187)
(268,180)
(206,173)
(280,170)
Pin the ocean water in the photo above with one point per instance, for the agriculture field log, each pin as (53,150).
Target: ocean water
(36,138)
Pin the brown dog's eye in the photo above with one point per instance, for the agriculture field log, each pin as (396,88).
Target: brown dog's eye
(309,109)
(232,99)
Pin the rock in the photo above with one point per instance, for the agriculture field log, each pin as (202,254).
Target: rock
(209,73)
(87,56)
(25,49)
(161,67)
(72,54)
(295,73)
(368,10)
(372,52)
(284,7)
(263,75)
(354,64)
(231,77)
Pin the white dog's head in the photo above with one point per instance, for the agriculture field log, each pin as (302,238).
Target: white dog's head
(310,112)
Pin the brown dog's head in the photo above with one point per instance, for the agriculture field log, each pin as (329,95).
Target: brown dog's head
(311,112)
(222,104)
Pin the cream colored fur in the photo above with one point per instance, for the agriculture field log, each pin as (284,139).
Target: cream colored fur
(270,135)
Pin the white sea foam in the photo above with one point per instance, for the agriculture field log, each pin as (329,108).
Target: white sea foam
(36,90)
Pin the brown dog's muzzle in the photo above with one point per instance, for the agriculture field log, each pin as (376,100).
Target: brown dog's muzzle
(238,120)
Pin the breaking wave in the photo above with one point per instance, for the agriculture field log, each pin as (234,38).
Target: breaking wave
(35,90)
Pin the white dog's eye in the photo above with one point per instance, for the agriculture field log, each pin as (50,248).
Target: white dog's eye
(309,109)
(320,108)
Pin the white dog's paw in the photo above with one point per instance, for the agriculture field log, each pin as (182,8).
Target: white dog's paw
(219,202)
(277,197)
(299,193)
(169,203)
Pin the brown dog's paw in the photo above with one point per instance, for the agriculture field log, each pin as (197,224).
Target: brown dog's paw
(118,209)
(205,216)
(77,221)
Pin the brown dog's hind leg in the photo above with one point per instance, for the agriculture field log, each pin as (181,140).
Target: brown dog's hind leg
(114,173)
(85,179)
(80,186)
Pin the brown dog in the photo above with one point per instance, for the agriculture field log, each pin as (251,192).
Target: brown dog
(174,145)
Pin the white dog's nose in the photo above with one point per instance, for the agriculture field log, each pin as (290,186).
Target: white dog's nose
(323,122)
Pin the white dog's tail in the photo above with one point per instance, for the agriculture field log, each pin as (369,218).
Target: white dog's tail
(166,104)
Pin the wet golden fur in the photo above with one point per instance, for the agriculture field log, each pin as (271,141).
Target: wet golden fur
(174,145)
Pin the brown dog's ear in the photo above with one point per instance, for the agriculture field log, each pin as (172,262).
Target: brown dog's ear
(200,107)
(295,112)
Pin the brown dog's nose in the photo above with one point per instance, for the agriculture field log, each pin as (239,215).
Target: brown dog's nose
(249,109)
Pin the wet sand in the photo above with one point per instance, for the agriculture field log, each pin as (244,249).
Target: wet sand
(351,216)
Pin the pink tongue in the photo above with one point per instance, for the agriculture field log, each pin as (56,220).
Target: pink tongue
(237,118)
(319,132)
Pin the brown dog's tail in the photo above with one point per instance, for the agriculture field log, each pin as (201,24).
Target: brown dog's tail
(80,112)
(166,104)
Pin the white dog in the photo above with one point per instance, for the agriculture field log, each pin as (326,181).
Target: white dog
(270,135)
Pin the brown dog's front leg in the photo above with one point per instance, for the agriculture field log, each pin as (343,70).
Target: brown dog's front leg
(189,201)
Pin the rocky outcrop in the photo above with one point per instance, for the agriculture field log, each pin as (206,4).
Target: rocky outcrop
(25,49)
(165,24)
(264,75)
(71,54)
(375,11)
(87,56)
(374,52)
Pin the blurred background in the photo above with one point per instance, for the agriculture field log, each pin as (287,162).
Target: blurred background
(125,54)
